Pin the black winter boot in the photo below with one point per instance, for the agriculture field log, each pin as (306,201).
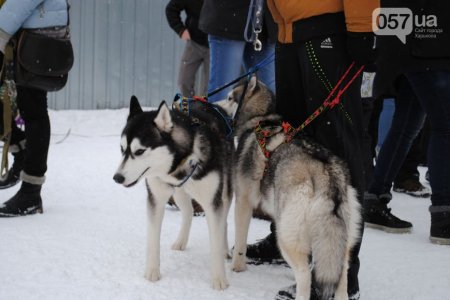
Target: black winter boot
(12,177)
(440,225)
(412,187)
(377,215)
(26,201)
(265,251)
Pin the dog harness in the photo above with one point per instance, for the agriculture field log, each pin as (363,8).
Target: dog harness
(185,105)
(264,130)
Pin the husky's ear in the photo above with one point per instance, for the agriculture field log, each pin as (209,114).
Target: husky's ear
(163,119)
(252,84)
(135,107)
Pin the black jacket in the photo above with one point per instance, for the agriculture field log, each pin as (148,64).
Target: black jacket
(227,19)
(192,9)
(426,48)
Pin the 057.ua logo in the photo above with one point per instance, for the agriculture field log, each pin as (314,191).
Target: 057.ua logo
(399,21)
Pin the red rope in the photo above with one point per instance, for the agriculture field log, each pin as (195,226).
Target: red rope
(290,131)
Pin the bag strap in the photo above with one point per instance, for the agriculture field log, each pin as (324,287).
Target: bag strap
(7,94)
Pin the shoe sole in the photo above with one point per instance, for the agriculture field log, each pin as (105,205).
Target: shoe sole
(3,187)
(276,262)
(37,210)
(388,229)
(439,241)
(413,194)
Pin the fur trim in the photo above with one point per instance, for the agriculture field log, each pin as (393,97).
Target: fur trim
(17,147)
(438,209)
(39,180)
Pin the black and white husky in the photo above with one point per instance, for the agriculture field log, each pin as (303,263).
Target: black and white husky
(302,186)
(184,160)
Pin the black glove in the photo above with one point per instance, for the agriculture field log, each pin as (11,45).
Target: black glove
(361,47)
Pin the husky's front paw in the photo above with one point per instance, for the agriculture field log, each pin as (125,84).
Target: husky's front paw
(238,264)
(179,245)
(220,283)
(152,274)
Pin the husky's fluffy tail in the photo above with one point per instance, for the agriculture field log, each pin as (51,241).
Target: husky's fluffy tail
(338,234)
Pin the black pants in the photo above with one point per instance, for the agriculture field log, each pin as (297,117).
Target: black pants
(32,104)
(416,156)
(302,86)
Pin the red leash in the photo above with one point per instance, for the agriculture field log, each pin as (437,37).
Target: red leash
(327,104)
(263,131)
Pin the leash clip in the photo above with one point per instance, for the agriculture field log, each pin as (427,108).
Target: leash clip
(11,88)
(257,45)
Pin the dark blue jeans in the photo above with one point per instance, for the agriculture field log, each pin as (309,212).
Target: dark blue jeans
(419,94)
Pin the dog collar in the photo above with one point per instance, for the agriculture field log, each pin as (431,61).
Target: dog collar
(193,166)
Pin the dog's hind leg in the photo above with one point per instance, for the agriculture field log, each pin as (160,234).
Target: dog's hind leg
(158,196)
(294,244)
(341,291)
(227,204)
(299,262)
(184,203)
(216,219)
(242,216)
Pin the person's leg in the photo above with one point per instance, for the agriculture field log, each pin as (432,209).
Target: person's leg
(266,56)
(408,178)
(339,129)
(226,57)
(205,71)
(433,92)
(190,63)
(33,106)
(406,123)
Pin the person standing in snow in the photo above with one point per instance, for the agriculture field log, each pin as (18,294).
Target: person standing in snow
(29,148)
(224,21)
(196,51)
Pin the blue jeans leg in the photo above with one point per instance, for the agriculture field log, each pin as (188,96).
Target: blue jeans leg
(226,60)
(267,72)
(407,121)
(229,57)
(433,91)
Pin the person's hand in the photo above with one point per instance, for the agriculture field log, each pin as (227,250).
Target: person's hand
(185,36)
(361,47)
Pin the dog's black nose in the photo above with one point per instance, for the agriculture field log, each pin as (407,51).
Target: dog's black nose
(119,178)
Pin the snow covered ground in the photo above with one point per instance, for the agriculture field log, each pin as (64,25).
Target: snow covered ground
(90,241)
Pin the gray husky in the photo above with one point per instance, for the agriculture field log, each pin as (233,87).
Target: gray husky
(184,160)
(302,186)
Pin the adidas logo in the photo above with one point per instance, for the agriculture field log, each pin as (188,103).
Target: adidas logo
(326,43)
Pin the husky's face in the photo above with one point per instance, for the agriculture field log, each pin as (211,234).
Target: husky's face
(144,149)
(257,100)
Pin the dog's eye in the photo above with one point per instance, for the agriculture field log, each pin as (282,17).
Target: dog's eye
(230,98)
(139,152)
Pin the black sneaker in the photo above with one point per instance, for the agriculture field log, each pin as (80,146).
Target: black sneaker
(12,177)
(412,187)
(26,201)
(290,292)
(440,225)
(378,216)
(265,251)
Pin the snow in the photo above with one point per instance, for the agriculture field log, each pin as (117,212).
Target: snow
(90,242)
